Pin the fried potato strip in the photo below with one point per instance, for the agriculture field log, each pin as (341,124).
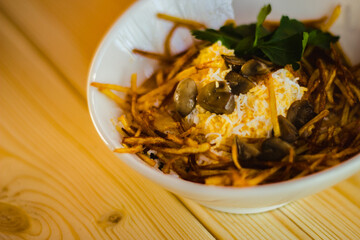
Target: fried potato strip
(272,104)
(161,138)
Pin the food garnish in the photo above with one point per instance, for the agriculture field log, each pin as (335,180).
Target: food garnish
(283,46)
(246,105)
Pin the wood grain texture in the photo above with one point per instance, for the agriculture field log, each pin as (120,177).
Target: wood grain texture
(327,215)
(55,167)
(65,32)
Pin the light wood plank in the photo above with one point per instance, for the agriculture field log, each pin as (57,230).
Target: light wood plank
(270,225)
(66,32)
(54,166)
(350,189)
(326,215)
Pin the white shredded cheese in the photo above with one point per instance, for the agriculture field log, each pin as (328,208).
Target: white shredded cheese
(251,116)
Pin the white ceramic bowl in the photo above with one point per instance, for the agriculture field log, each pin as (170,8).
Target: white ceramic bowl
(139,27)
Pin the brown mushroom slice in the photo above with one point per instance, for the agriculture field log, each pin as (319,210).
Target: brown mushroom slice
(238,83)
(234,62)
(216,97)
(289,132)
(244,155)
(185,96)
(300,112)
(254,67)
(274,149)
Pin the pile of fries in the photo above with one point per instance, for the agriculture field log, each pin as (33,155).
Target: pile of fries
(162,139)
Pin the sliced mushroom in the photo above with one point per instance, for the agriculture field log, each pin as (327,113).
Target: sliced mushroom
(254,67)
(274,149)
(238,83)
(216,97)
(288,131)
(234,62)
(243,154)
(185,96)
(300,112)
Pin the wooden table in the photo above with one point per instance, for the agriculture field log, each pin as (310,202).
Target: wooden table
(56,171)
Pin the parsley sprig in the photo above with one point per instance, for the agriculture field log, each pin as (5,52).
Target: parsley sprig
(283,46)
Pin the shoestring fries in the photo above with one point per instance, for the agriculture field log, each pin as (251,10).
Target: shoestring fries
(161,138)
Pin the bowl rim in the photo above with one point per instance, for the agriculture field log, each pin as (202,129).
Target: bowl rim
(156,175)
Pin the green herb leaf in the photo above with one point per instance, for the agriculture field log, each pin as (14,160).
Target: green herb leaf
(260,20)
(284,50)
(321,39)
(284,46)
(240,32)
(246,30)
(213,36)
(244,46)
(304,41)
(288,27)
